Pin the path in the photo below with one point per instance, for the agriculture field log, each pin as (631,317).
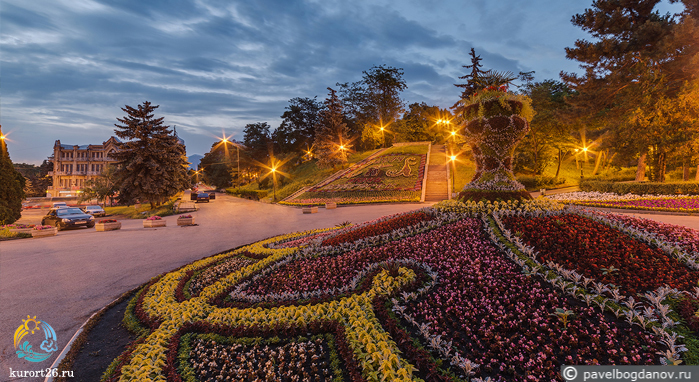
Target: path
(66,278)
(436,188)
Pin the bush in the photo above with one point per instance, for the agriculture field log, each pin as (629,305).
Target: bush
(247,194)
(538,182)
(641,188)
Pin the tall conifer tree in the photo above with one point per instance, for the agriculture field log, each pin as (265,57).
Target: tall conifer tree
(152,163)
(11,186)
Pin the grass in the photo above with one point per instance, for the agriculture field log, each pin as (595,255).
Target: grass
(304,175)
(144,211)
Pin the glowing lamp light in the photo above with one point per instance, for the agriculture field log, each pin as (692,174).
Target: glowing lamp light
(2,137)
(584,149)
(453,158)
(453,133)
(342,147)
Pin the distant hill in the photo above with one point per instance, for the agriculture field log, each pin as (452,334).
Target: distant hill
(194,160)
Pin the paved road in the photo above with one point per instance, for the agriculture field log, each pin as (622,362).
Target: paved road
(66,278)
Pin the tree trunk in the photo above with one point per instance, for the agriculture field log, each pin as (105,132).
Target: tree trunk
(696,177)
(685,169)
(662,164)
(641,168)
(558,169)
(598,160)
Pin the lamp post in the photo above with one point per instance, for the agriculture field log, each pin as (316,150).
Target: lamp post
(453,175)
(383,138)
(274,182)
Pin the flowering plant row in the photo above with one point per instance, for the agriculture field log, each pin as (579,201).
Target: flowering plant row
(102,221)
(18,226)
(43,227)
(669,203)
(356,197)
(387,176)
(154,217)
(188,216)
(652,312)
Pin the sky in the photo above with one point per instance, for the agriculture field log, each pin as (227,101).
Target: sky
(67,67)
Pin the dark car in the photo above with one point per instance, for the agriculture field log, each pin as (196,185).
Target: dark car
(62,218)
(202,197)
(212,195)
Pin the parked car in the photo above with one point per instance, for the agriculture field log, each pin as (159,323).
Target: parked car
(59,205)
(202,197)
(94,210)
(65,217)
(212,195)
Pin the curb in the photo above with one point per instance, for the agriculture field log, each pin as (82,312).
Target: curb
(66,349)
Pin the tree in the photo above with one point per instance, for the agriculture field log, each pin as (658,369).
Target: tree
(11,186)
(220,164)
(472,84)
(37,179)
(102,187)
(297,130)
(638,59)
(258,140)
(373,102)
(549,136)
(151,164)
(332,140)
(419,124)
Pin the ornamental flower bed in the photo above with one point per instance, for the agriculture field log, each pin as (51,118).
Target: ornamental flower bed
(19,228)
(601,253)
(689,204)
(107,225)
(154,221)
(44,230)
(449,293)
(183,220)
(393,176)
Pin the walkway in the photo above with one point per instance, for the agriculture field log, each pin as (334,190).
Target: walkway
(66,278)
(437,181)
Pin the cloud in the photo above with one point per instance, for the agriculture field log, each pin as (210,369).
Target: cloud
(69,65)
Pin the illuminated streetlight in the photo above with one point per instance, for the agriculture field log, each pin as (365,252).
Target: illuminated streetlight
(274,182)
(452,158)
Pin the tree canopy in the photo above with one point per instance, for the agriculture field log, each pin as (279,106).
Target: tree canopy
(332,135)
(11,187)
(151,164)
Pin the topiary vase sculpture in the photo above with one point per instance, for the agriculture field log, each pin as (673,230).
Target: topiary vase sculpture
(495,122)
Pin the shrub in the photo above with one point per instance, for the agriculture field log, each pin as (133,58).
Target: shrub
(537,182)
(248,194)
(641,188)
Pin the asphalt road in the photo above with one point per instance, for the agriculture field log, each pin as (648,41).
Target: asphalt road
(64,279)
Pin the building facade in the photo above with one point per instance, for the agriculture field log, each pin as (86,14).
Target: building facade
(74,165)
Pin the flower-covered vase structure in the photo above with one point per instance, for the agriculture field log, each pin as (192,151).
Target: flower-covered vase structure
(494,123)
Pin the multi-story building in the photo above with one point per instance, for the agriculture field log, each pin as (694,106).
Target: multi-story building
(74,165)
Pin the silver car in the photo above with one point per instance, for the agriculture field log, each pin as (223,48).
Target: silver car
(94,210)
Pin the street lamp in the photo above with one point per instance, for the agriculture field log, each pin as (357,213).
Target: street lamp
(383,138)
(274,182)
(453,175)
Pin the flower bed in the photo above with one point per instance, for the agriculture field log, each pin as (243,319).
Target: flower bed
(185,220)
(44,231)
(433,295)
(391,177)
(689,204)
(154,221)
(107,225)
(19,228)
(601,253)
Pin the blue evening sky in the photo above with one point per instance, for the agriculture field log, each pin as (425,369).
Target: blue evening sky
(68,66)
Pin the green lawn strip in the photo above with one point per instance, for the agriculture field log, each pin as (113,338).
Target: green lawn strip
(144,211)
